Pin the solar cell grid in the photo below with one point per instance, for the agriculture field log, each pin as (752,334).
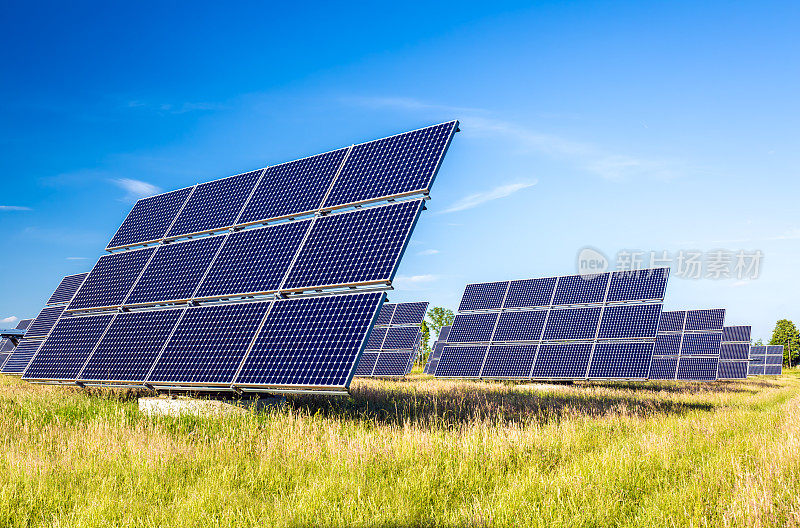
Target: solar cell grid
(701,344)
(314,341)
(732,370)
(530,293)
(472,328)
(44,322)
(704,320)
(775,350)
(568,361)
(736,334)
(386,313)
(375,341)
(774,360)
(396,165)
(21,356)
(663,368)
(638,285)
(672,321)
(392,364)
(572,323)
(253,261)
(66,288)
(215,205)
(483,296)
(630,321)
(366,363)
(697,368)
(354,247)
(581,289)
(734,351)
(150,219)
(667,345)
(409,313)
(111,279)
(513,362)
(293,188)
(175,271)
(621,360)
(444,332)
(401,337)
(773,370)
(520,326)
(461,361)
(23,324)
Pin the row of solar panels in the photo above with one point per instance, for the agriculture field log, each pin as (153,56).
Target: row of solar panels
(766,360)
(396,166)
(394,343)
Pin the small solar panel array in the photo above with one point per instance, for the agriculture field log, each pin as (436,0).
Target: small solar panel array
(267,280)
(7,346)
(571,327)
(39,328)
(734,353)
(688,345)
(394,342)
(766,360)
(436,351)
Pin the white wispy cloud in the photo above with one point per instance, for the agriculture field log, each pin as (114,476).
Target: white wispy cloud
(14,208)
(10,319)
(426,252)
(76,258)
(136,188)
(406,103)
(413,282)
(476,199)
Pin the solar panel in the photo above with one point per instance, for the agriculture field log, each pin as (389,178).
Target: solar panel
(215,205)
(483,296)
(386,313)
(774,360)
(663,368)
(572,324)
(130,346)
(67,288)
(524,325)
(581,289)
(23,324)
(150,219)
(687,334)
(736,334)
(6,348)
(509,361)
(253,261)
(630,321)
(740,351)
(63,354)
(705,320)
(530,293)
(311,342)
(398,165)
(21,356)
(472,328)
(402,337)
(410,313)
(175,271)
(362,246)
(667,345)
(44,322)
(111,279)
(701,344)
(638,285)
(461,361)
(436,350)
(697,368)
(732,369)
(773,370)
(444,332)
(293,188)
(564,361)
(391,364)
(208,345)
(766,360)
(366,364)
(621,360)
(734,352)
(375,341)
(672,321)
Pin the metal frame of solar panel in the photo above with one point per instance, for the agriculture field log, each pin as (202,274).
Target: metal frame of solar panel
(766,360)
(557,328)
(331,227)
(688,345)
(394,342)
(734,360)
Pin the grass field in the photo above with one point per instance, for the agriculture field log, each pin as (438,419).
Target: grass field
(420,452)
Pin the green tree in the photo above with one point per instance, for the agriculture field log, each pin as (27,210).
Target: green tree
(786,334)
(759,342)
(440,317)
(426,336)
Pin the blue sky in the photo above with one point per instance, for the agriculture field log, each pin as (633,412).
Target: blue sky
(657,126)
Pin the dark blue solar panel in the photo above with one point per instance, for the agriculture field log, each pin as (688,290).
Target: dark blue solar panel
(353,247)
(734,351)
(366,363)
(461,362)
(773,350)
(621,360)
(401,338)
(21,356)
(562,361)
(705,344)
(472,328)
(736,333)
(7,346)
(130,346)
(758,358)
(175,271)
(580,289)
(215,205)
(208,344)
(755,369)
(520,326)
(483,296)
(67,288)
(67,348)
(757,350)
(111,279)
(444,332)
(773,370)
(667,345)
(638,285)
(732,370)
(392,364)
(672,321)
(293,188)
(514,361)
(703,320)
(392,166)
(663,368)
(386,313)
(630,321)
(697,368)
(434,365)
(44,322)
(150,218)
(530,293)
(375,341)
(254,261)
(314,341)
(571,323)
(23,324)
(410,313)
(774,360)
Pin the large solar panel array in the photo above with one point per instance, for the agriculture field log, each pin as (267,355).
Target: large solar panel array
(280,291)
(688,345)
(734,353)
(436,351)
(766,360)
(571,327)
(394,342)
